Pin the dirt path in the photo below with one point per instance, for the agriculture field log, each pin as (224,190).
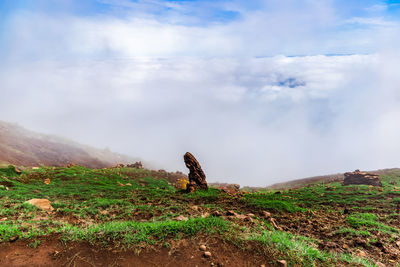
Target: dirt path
(51,252)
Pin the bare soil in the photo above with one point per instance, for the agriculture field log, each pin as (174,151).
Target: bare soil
(185,252)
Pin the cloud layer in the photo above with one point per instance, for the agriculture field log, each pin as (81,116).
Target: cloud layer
(156,87)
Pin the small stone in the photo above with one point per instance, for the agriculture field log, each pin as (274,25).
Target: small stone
(266,214)
(43,204)
(203,248)
(128,184)
(205,215)
(282,263)
(47,181)
(380,264)
(207,254)
(361,253)
(14,238)
(181,218)
(241,216)
(398,243)
(217,213)
(196,208)
(230,213)
(249,219)
(119,184)
(250,215)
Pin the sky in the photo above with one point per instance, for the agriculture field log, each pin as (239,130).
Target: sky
(260,91)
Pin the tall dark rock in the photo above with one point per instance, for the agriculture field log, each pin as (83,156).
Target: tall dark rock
(197,178)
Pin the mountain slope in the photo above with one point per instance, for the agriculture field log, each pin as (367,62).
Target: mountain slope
(26,148)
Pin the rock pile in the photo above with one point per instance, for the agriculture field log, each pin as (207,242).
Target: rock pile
(197,178)
(358,177)
(137,165)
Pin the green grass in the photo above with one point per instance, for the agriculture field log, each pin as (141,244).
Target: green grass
(302,251)
(100,210)
(352,232)
(130,233)
(271,201)
(209,195)
(370,222)
(10,171)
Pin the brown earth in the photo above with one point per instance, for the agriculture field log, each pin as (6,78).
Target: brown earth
(186,252)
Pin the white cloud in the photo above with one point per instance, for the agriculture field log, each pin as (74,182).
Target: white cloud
(244,118)
(158,89)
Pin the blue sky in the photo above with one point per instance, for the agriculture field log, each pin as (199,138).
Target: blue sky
(260,91)
(317,25)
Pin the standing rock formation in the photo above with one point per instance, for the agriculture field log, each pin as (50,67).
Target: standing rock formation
(197,178)
(358,177)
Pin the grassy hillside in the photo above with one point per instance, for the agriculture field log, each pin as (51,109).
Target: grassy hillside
(23,147)
(137,210)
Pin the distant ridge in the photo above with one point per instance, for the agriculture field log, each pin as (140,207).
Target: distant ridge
(23,147)
(321,179)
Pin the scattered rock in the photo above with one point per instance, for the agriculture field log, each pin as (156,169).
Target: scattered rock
(35,168)
(230,213)
(43,204)
(137,165)
(197,178)
(205,215)
(217,213)
(398,243)
(119,165)
(274,224)
(128,184)
(250,215)
(281,263)
(380,264)
(47,181)
(358,177)
(361,253)
(195,208)
(266,214)
(18,171)
(14,238)
(203,248)
(207,254)
(241,216)
(181,218)
(119,184)
(249,219)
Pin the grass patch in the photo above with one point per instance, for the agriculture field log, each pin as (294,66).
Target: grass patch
(131,233)
(369,220)
(271,201)
(352,232)
(301,251)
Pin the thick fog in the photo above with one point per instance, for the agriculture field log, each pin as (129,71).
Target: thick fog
(230,92)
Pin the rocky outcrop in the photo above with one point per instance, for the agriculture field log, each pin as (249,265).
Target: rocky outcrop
(137,165)
(358,177)
(197,178)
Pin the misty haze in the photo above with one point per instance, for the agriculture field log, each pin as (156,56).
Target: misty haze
(261,93)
